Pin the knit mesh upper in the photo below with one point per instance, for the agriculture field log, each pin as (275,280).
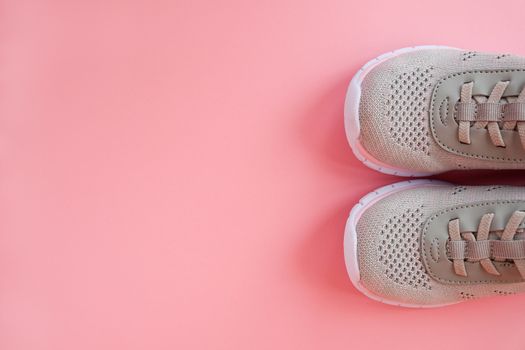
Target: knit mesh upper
(406,107)
(399,250)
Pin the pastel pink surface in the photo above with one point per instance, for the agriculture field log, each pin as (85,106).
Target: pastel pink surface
(175,175)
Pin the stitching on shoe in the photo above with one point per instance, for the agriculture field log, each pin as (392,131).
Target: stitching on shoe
(441,116)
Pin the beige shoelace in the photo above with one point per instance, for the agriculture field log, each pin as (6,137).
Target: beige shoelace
(466,247)
(493,114)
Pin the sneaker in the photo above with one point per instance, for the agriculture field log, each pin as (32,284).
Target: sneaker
(426,243)
(424,110)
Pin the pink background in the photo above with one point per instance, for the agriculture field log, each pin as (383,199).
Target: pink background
(175,175)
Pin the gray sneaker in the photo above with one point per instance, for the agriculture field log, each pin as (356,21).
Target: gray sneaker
(425,243)
(429,109)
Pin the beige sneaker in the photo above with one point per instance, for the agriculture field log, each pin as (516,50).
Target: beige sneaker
(425,110)
(425,243)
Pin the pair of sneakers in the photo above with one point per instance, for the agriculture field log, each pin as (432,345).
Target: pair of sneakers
(421,111)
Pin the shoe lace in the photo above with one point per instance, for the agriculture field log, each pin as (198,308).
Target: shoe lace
(493,114)
(481,248)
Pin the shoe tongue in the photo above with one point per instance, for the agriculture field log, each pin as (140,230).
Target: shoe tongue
(435,235)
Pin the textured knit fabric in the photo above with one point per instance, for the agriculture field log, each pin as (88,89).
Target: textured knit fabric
(389,238)
(395,102)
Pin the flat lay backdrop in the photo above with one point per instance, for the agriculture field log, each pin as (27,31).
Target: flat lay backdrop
(174,174)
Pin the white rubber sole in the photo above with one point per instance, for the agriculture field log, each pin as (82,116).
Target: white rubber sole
(352,125)
(350,238)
